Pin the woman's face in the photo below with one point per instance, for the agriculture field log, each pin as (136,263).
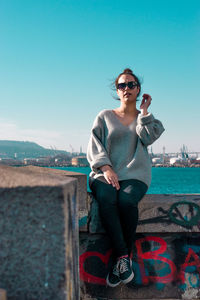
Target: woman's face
(125,93)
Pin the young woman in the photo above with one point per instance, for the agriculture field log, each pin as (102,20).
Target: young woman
(121,168)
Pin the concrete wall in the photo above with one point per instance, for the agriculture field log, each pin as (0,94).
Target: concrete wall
(39,241)
(38,235)
(83,199)
(81,182)
(166,255)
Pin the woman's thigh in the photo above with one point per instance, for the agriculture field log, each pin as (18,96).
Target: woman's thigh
(103,192)
(131,192)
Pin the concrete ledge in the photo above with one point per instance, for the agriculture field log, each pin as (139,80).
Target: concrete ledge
(134,299)
(164,264)
(81,178)
(166,213)
(169,213)
(82,196)
(39,235)
(166,254)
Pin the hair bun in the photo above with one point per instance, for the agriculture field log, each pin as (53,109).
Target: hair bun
(128,71)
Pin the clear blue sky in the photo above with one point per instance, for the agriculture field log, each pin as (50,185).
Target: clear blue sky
(58,58)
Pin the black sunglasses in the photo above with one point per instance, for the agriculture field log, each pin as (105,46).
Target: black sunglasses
(131,85)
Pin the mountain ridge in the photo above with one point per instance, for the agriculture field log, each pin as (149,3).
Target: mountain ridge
(26,149)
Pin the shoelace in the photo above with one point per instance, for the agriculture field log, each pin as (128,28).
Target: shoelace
(123,265)
(116,269)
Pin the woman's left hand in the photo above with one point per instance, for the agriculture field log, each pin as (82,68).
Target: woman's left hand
(146,101)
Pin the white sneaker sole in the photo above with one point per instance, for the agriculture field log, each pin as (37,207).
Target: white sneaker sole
(128,279)
(112,284)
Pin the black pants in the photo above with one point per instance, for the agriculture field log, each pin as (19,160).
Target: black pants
(119,211)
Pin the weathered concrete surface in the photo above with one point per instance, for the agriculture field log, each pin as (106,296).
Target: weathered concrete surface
(2,294)
(86,298)
(165,266)
(166,255)
(38,235)
(170,213)
(166,213)
(81,185)
(82,197)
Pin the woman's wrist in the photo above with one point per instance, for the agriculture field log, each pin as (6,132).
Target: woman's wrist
(144,112)
(105,168)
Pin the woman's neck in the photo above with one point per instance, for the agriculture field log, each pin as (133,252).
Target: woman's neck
(127,109)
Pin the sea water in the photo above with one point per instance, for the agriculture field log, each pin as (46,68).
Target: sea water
(164,180)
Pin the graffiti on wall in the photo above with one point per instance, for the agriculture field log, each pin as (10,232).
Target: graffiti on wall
(155,261)
(182,213)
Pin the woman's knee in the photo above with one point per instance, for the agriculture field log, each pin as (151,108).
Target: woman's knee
(131,193)
(129,203)
(104,193)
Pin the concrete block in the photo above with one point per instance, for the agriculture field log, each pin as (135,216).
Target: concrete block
(39,235)
(83,220)
(85,216)
(81,178)
(88,298)
(166,265)
(135,299)
(166,253)
(169,213)
(94,219)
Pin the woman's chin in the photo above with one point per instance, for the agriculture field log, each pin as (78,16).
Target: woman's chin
(128,99)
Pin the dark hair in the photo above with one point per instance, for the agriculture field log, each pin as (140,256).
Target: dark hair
(130,72)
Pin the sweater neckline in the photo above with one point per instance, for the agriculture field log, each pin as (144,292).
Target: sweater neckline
(112,111)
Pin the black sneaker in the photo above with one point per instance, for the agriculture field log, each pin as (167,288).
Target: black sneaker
(113,276)
(125,270)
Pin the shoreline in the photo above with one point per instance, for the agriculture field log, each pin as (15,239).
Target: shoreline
(153,166)
(17,164)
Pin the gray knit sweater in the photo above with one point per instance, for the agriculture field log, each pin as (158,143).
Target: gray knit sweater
(122,147)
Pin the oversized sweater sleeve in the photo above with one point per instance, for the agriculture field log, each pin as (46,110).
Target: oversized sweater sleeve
(96,153)
(148,129)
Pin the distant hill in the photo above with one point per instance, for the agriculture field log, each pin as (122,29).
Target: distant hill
(10,149)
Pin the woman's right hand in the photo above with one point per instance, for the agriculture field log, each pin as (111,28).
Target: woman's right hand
(110,176)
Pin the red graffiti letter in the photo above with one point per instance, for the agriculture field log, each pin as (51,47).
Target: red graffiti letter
(84,275)
(195,262)
(155,256)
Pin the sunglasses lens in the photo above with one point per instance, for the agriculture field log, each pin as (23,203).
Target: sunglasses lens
(121,86)
(131,85)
